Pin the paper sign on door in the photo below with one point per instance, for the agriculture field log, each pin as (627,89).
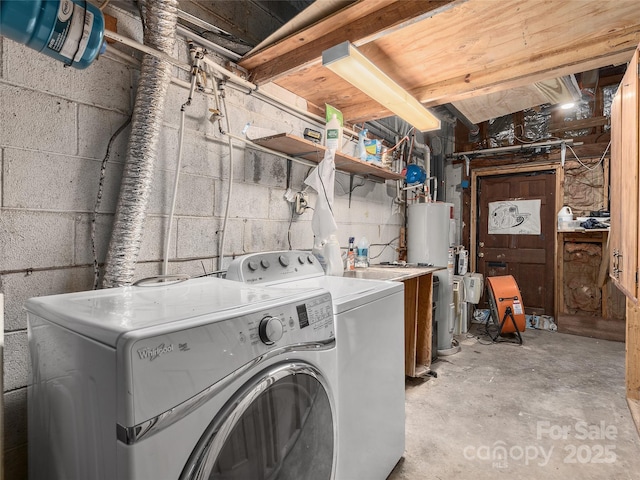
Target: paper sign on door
(514,217)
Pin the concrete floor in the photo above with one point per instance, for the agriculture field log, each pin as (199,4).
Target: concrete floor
(551,409)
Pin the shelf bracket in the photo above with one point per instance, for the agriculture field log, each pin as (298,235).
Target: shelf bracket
(289,165)
(350,187)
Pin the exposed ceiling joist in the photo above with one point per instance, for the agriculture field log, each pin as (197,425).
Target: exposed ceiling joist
(454,51)
(354,23)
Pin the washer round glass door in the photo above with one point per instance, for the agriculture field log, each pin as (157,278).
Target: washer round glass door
(280,425)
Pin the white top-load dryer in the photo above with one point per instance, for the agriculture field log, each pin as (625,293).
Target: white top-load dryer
(369,318)
(204,379)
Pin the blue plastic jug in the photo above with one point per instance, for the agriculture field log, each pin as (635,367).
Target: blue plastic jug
(71,31)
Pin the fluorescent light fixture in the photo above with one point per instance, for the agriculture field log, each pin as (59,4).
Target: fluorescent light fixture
(567,106)
(347,62)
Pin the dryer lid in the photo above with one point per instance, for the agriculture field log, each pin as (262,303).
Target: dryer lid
(104,315)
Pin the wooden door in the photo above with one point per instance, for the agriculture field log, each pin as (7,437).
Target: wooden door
(528,257)
(623,245)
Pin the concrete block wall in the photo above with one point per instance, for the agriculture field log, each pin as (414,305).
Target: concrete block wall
(55,125)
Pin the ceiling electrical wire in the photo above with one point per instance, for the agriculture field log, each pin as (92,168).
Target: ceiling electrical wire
(595,165)
(522,139)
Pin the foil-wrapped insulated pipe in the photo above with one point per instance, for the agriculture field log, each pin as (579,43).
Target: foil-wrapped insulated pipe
(159,18)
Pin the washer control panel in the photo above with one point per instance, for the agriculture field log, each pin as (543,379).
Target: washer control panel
(193,359)
(269,267)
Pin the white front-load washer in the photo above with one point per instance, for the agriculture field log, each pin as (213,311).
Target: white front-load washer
(369,319)
(204,379)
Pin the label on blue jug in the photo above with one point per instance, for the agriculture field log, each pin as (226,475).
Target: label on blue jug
(73,25)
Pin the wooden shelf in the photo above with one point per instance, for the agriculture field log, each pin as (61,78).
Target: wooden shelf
(302,148)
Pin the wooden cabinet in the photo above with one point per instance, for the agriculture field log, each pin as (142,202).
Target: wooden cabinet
(623,246)
(418,327)
(418,305)
(587,304)
(625,130)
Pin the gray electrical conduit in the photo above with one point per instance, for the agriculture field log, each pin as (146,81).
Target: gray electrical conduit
(144,48)
(197,56)
(227,74)
(236,81)
(209,91)
(232,137)
(160,18)
(221,102)
(114,53)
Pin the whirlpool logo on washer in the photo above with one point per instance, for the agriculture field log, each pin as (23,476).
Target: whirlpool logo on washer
(151,353)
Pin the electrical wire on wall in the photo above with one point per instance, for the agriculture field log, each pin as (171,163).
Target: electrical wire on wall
(384,247)
(96,208)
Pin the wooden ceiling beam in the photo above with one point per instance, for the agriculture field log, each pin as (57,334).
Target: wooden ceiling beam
(356,23)
(501,79)
(465,49)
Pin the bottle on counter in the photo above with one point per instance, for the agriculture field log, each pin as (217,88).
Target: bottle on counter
(351,255)
(333,258)
(362,253)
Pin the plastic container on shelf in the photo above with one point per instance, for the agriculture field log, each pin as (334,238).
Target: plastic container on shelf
(565,218)
(333,134)
(361,151)
(362,253)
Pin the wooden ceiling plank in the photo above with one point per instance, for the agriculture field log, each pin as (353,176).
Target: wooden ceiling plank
(337,20)
(307,47)
(453,44)
(512,75)
(357,107)
(458,53)
(578,124)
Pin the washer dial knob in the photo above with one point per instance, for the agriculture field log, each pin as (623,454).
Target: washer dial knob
(284,261)
(270,330)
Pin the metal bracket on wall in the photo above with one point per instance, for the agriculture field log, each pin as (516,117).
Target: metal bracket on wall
(350,188)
